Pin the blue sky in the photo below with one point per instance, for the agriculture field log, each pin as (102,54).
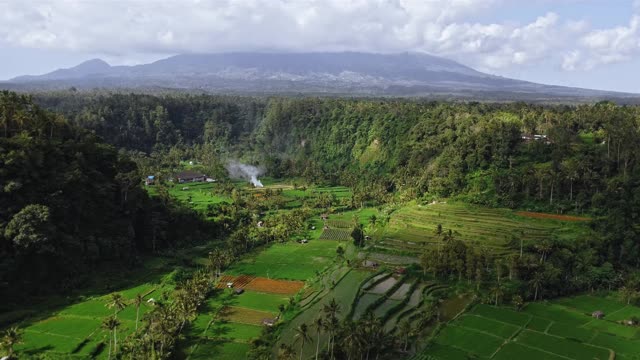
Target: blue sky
(584,43)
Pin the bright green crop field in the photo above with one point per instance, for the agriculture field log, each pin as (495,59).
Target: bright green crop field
(412,227)
(561,329)
(290,261)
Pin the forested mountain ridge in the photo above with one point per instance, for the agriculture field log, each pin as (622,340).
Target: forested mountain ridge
(338,73)
(583,160)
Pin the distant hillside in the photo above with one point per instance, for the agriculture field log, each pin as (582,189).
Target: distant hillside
(344,73)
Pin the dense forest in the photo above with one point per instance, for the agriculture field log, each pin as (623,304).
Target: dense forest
(72,203)
(557,158)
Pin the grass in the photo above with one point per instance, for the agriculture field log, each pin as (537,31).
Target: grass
(488,326)
(220,350)
(246,316)
(197,195)
(473,342)
(562,347)
(518,351)
(259,301)
(561,329)
(288,261)
(233,331)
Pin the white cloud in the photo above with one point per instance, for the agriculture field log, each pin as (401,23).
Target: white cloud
(441,27)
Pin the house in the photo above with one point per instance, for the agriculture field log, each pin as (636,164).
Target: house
(597,314)
(210,180)
(260,223)
(190,176)
(150,180)
(238,291)
(536,137)
(324,217)
(268,322)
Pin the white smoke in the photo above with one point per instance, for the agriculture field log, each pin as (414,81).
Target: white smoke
(250,173)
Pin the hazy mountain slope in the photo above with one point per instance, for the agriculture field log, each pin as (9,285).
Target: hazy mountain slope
(405,74)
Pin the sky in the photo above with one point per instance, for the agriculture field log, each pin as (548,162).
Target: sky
(584,43)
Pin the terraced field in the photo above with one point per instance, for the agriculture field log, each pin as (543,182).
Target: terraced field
(75,331)
(562,329)
(412,228)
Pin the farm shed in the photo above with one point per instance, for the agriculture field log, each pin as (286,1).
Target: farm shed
(268,322)
(238,291)
(190,176)
(150,180)
(597,314)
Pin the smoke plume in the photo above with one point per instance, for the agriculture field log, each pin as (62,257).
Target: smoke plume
(250,173)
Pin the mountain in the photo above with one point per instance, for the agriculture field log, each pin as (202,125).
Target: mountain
(334,73)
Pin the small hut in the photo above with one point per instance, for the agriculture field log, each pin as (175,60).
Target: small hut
(238,291)
(597,314)
(268,322)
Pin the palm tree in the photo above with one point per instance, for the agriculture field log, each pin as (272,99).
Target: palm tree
(425,261)
(11,338)
(405,330)
(137,302)
(332,309)
(627,293)
(216,261)
(372,220)
(536,282)
(116,303)
(286,352)
(543,248)
(318,325)
(332,325)
(518,302)
(302,334)
(497,291)
(111,323)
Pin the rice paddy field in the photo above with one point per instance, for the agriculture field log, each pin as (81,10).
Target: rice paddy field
(228,322)
(561,329)
(344,293)
(75,331)
(413,227)
(291,260)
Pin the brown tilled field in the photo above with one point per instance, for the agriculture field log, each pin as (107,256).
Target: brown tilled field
(239,282)
(284,287)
